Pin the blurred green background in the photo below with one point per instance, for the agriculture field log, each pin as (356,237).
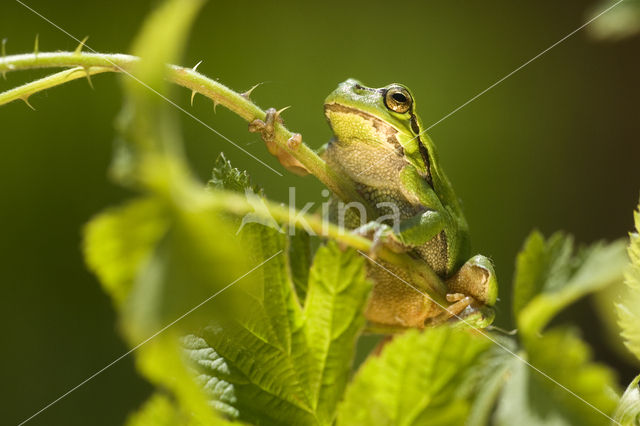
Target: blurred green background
(554,147)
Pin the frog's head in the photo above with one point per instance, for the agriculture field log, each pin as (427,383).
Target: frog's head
(385,116)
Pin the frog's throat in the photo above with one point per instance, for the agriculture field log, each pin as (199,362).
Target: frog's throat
(387,133)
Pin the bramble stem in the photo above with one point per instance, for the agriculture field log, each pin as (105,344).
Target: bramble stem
(238,205)
(186,77)
(85,64)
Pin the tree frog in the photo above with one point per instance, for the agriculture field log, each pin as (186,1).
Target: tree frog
(381,146)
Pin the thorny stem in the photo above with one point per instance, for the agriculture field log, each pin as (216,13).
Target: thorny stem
(238,204)
(86,64)
(93,63)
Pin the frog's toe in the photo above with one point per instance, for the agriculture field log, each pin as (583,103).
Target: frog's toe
(266,129)
(381,235)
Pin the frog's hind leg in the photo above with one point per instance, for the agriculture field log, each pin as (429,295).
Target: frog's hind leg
(459,302)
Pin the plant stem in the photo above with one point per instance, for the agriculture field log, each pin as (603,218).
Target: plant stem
(25,91)
(422,272)
(85,64)
(94,63)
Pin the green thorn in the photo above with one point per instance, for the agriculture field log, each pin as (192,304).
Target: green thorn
(26,101)
(280,111)
(247,94)
(80,46)
(3,48)
(86,71)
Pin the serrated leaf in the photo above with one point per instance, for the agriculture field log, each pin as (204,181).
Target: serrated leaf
(629,307)
(277,363)
(549,277)
(333,317)
(528,398)
(225,176)
(415,380)
(628,411)
(161,360)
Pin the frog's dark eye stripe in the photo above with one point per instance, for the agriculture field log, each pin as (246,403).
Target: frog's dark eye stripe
(424,153)
(361,87)
(414,124)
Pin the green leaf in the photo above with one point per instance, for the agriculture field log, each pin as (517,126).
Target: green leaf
(161,41)
(159,410)
(487,378)
(162,361)
(629,320)
(628,411)
(416,380)
(197,258)
(150,154)
(155,270)
(299,255)
(549,277)
(225,176)
(333,318)
(157,264)
(162,256)
(277,363)
(629,308)
(120,240)
(529,398)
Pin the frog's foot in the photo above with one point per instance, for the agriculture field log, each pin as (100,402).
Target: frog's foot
(477,279)
(266,129)
(459,302)
(380,235)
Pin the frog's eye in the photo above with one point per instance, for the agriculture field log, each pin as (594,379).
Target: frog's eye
(398,99)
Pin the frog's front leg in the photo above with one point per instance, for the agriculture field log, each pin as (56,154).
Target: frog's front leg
(380,235)
(266,129)
(404,236)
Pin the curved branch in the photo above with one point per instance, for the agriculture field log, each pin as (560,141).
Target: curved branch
(85,64)
(26,90)
(93,63)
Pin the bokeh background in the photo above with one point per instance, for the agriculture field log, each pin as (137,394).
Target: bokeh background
(554,147)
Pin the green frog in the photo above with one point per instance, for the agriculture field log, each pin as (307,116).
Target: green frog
(381,146)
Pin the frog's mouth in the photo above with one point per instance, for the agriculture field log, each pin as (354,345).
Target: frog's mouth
(384,130)
(380,125)
(344,109)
